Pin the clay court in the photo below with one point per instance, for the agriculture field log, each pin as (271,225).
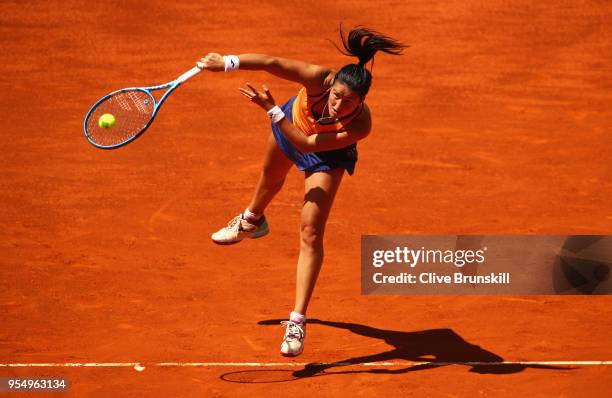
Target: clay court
(495,121)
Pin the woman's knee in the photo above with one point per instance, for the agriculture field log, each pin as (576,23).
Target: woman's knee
(311,236)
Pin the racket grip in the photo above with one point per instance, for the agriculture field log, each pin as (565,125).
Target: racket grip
(189,74)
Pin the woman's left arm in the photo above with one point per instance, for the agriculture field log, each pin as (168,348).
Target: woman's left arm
(355,131)
(324,141)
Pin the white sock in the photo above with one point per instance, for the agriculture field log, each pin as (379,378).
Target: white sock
(249,215)
(297,317)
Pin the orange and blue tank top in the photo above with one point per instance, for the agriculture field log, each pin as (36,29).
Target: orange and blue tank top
(305,120)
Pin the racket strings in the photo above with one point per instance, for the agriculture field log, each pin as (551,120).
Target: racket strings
(132,110)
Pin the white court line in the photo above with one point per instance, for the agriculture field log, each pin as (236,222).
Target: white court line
(141,365)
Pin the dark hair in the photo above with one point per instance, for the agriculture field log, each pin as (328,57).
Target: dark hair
(363,43)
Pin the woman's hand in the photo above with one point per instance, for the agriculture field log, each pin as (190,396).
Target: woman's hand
(213,62)
(263,99)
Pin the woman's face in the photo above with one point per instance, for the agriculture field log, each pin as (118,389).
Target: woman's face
(342,100)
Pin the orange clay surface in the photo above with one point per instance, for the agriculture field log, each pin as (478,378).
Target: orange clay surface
(496,120)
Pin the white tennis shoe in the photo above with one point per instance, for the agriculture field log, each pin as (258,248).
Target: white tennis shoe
(238,229)
(293,341)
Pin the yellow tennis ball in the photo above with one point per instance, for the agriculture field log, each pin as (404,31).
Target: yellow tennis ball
(107,121)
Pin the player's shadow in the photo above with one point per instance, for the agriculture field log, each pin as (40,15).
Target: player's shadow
(431,348)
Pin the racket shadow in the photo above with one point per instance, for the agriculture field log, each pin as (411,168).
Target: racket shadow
(431,348)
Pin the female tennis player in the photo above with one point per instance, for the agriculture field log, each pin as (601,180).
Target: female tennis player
(317,131)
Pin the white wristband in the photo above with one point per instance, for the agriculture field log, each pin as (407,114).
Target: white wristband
(276,114)
(232,62)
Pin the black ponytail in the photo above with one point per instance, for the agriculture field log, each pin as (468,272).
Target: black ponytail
(363,43)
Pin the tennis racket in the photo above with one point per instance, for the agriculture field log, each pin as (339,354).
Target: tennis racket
(134,110)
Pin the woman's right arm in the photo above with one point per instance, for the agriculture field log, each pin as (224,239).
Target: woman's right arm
(314,77)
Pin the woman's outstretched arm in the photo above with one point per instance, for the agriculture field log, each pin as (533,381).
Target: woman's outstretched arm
(315,78)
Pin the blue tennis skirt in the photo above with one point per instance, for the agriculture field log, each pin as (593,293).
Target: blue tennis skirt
(314,161)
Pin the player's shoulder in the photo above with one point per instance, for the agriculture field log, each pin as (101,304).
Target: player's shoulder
(322,83)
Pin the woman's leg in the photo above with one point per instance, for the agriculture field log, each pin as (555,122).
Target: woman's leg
(320,190)
(247,225)
(276,167)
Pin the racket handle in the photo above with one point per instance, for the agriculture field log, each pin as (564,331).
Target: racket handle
(189,74)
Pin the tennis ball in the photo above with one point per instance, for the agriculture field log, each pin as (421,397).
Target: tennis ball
(106,121)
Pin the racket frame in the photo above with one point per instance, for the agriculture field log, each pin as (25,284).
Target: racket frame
(171,86)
